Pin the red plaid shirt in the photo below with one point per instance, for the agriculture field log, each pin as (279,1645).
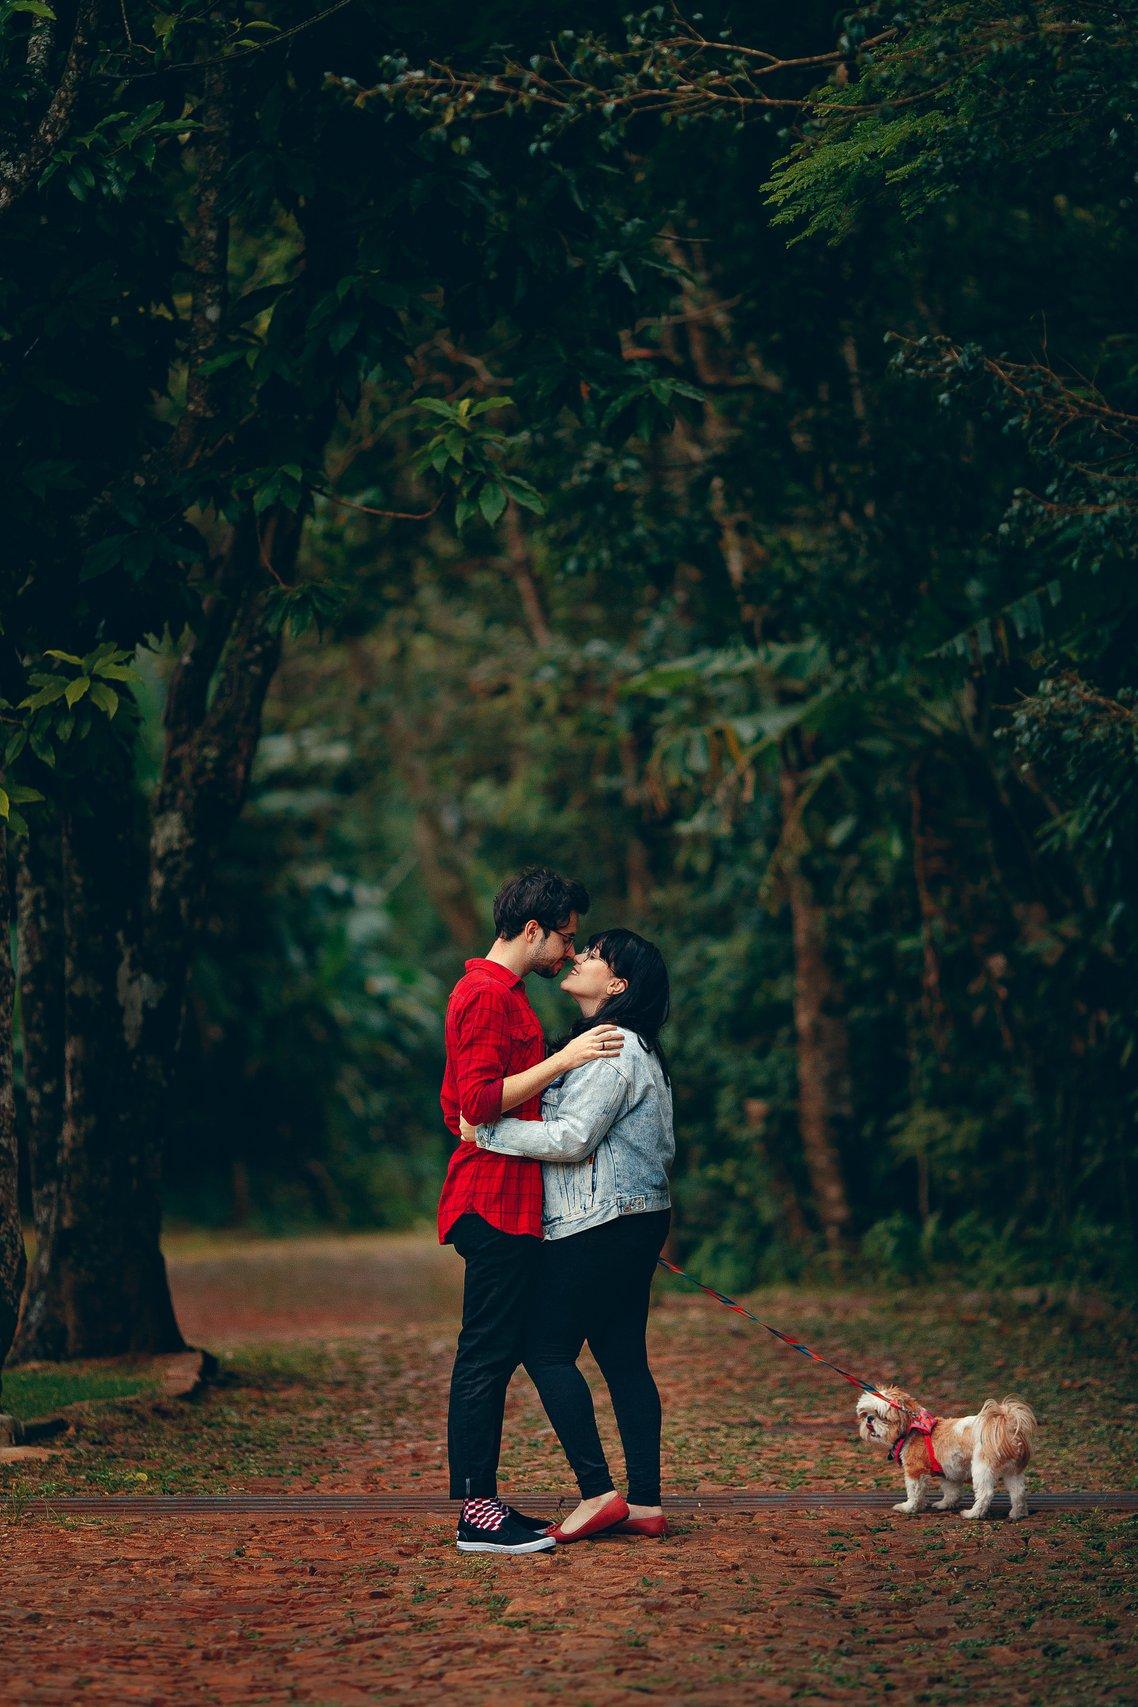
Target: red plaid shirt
(492,1032)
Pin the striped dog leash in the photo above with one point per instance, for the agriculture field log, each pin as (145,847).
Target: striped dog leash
(795,1345)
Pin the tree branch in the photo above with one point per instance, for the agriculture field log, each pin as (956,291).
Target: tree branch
(19,175)
(208,261)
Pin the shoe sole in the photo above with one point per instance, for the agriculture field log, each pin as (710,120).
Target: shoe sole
(539,1544)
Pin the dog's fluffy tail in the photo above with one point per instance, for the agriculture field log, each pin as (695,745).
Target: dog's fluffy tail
(1006,1431)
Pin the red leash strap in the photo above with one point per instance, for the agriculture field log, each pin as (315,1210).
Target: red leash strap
(795,1345)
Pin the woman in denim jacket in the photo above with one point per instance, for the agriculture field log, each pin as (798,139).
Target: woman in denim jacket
(606,1141)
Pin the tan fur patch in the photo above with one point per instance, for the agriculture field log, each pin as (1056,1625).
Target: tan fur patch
(915,1457)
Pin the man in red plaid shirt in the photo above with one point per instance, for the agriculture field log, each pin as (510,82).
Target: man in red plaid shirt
(490,1206)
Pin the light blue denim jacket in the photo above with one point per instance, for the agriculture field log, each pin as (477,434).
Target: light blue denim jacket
(605,1137)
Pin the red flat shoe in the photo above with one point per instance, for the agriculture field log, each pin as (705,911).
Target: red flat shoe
(611,1514)
(656,1527)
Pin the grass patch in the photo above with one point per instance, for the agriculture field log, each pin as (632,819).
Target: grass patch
(281,1413)
(40,1392)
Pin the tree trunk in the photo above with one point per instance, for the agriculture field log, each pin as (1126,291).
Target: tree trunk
(40,962)
(824,1097)
(101,1288)
(11,1235)
(131,924)
(637,867)
(755,1114)
(521,567)
(822,1055)
(211,742)
(928,872)
(927,868)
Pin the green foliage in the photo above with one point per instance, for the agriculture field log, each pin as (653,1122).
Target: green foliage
(17,794)
(309,605)
(308,1092)
(467,452)
(64,710)
(910,492)
(1025,96)
(820,191)
(1082,744)
(828,485)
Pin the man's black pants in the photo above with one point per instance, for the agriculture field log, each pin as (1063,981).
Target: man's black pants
(500,1270)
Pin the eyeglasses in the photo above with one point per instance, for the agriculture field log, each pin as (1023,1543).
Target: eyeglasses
(568,938)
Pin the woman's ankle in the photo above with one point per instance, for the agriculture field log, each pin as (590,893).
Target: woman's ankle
(635,1510)
(587,1508)
(594,1502)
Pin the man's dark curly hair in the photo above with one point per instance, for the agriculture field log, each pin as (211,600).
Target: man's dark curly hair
(538,894)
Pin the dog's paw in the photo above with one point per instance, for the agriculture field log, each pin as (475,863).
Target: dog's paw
(908,1509)
(1014,1515)
(972,1512)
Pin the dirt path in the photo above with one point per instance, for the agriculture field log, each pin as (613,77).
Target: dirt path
(337,1357)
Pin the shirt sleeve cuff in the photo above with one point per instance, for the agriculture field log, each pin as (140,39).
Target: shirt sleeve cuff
(485,1136)
(488,1104)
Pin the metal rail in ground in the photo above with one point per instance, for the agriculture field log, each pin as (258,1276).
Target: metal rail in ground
(742,1501)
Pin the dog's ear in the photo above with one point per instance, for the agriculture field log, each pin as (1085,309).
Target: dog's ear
(906,1406)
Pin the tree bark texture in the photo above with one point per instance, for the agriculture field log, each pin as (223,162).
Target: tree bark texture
(928,864)
(213,723)
(20,169)
(12,1259)
(133,904)
(521,567)
(39,910)
(132,908)
(101,1290)
(822,1056)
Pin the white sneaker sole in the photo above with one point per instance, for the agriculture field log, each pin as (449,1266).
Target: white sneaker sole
(539,1544)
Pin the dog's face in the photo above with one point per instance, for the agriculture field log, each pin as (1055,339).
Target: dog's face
(879,1422)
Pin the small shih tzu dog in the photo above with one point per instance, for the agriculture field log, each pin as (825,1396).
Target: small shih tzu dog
(993,1445)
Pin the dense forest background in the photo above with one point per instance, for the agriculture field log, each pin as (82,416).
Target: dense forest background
(706,453)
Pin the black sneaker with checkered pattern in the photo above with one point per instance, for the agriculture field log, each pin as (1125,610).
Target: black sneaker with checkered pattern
(489,1526)
(538,1525)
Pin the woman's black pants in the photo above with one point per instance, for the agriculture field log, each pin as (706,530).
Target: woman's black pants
(594,1286)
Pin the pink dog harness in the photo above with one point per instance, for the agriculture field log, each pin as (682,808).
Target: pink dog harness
(923,1423)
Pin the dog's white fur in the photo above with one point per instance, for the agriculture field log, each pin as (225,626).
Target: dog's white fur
(993,1445)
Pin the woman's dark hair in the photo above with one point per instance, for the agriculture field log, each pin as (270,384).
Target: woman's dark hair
(538,894)
(643,1007)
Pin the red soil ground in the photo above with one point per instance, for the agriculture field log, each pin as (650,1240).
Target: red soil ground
(787,1606)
